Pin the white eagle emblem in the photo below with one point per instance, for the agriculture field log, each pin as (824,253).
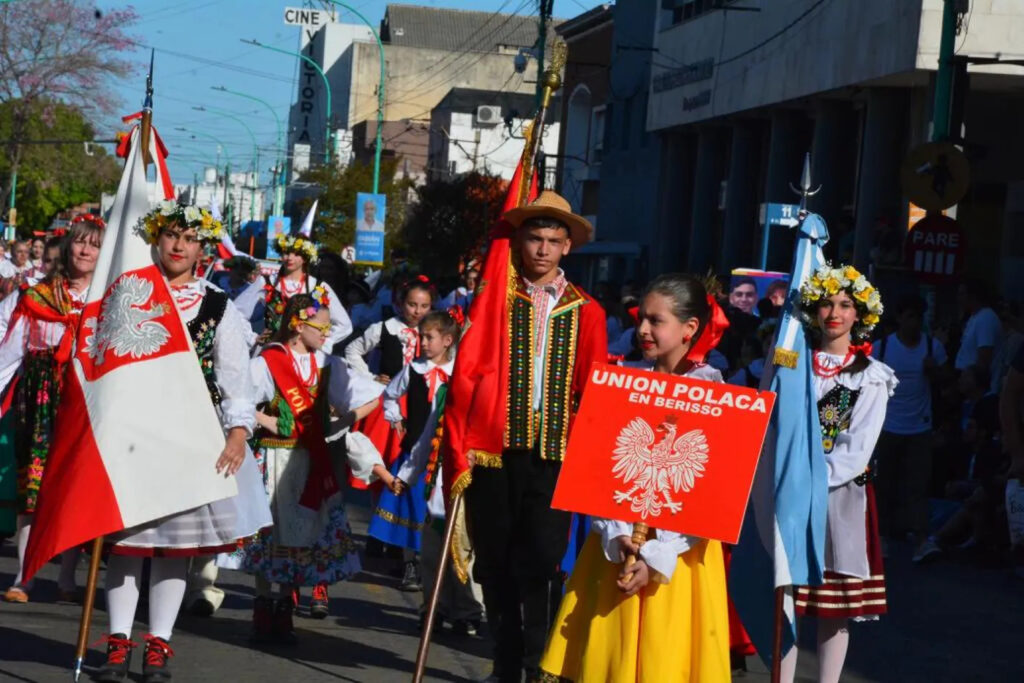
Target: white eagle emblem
(657,470)
(126,326)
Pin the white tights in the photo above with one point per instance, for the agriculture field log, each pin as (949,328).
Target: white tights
(68,559)
(166,590)
(833,640)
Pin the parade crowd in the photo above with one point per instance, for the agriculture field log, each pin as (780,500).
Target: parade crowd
(326,380)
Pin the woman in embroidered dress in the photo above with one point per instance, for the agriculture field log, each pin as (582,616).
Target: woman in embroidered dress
(33,356)
(298,253)
(398,519)
(218,334)
(310,544)
(841,308)
(665,617)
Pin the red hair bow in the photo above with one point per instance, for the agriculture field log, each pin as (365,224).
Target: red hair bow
(712,333)
(457,315)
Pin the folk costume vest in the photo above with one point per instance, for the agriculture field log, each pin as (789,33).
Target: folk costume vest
(417,409)
(834,411)
(548,428)
(203,330)
(392,353)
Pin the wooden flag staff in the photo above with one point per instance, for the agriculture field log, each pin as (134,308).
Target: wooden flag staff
(552,82)
(145,128)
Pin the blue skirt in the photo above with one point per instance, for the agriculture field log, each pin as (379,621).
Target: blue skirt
(399,520)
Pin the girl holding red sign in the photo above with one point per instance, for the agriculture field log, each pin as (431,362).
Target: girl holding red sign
(310,399)
(840,307)
(664,617)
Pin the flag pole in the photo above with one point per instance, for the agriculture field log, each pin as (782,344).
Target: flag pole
(552,80)
(805,192)
(89,600)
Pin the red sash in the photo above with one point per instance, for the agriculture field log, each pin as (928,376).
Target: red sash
(321,483)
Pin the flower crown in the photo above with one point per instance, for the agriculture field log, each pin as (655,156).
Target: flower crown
(169,212)
(297,244)
(828,281)
(320,301)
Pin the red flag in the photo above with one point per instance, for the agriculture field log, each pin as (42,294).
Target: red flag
(132,442)
(479,382)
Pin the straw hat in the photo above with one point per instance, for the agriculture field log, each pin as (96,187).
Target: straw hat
(552,205)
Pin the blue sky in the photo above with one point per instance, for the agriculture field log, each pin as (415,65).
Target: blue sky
(199,45)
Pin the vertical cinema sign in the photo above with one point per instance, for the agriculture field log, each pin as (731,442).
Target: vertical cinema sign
(311,21)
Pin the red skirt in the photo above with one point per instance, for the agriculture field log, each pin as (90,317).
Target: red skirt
(379,431)
(846,596)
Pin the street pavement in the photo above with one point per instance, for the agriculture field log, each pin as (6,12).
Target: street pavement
(949,621)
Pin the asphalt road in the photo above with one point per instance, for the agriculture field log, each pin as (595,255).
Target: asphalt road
(954,620)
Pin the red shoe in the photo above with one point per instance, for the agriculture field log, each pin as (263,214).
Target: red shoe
(319,607)
(154,666)
(119,656)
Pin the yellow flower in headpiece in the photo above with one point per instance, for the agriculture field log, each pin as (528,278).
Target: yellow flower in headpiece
(851,273)
(864,294)
(832,285)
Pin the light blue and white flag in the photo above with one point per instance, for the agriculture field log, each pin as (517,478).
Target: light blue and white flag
(783,540)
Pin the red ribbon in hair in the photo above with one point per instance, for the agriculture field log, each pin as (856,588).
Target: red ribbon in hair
(161,154)
(712,333)
(457,315)
(864,348)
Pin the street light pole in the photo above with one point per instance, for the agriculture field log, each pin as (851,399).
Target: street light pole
(380,92)
(329,141)
(279,169)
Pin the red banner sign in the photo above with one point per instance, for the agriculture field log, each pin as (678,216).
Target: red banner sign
(673,452)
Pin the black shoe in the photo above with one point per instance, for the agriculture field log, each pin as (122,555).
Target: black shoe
(262,620)
(282,627)
(154,664)
(319,607)
(411,581)
(201,608)
(466,627)
(119,657)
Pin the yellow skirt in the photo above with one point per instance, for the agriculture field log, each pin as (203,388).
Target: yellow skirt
(674,632)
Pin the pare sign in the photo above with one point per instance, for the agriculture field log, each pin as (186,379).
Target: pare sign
(303,16)
(935,248)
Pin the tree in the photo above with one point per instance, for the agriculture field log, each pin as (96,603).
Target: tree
(450,219)
(335,223)
(53,177)
(52,52)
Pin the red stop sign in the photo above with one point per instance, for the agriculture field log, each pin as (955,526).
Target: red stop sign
(935,248)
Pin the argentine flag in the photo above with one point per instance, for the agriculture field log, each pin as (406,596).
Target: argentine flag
(783,539)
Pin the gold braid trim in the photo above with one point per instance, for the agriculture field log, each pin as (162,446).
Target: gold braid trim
(392,518)
(485,459)
(461,553)
(785,357)
(460,484)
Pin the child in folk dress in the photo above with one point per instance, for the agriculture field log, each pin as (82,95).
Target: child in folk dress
(310,398)
(664,618)
(840,307)
(219,335)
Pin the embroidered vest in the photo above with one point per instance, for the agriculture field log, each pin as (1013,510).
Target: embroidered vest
(548,428)
(279,405)
(834,411)
(417,409)
(392,353)
(203,330)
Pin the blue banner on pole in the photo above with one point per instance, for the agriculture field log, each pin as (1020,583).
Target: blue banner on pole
(370,216)
(276,226)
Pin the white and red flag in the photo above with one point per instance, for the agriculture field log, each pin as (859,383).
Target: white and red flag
(136,436)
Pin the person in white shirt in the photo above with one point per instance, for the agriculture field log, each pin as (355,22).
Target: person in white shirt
(983,333)
(904,450)
(369,220)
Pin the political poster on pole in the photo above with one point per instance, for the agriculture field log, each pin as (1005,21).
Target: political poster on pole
(276,226)
(371,210)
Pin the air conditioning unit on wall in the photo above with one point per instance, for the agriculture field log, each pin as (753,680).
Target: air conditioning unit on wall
(488,115)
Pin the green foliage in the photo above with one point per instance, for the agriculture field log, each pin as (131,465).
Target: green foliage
(335,223)
(450,220)
(52,177)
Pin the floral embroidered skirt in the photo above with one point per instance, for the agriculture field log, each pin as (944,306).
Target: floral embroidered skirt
(399,520)
(305,547)
(35,408)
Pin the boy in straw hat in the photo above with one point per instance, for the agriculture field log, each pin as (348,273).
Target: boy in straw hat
(557,331)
